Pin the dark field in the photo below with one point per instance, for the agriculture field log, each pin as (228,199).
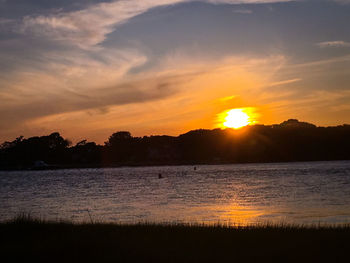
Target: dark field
(28,240)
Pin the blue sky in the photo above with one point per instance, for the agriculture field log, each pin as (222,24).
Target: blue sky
(167,66)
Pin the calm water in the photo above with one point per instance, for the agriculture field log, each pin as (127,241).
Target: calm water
(243,194)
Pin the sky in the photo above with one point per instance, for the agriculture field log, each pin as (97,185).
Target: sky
(88,68)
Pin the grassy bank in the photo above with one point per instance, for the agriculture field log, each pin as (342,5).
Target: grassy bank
(25,239)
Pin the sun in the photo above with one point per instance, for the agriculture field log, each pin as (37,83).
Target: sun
(237,118)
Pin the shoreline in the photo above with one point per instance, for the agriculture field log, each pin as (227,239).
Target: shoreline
(34,239)
(139,165)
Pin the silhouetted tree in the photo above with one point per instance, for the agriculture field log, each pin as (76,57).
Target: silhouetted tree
(119,147)
(289,141)
(118,137)
(24,152)
(85,153)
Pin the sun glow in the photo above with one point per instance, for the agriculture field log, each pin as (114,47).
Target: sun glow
(237,118)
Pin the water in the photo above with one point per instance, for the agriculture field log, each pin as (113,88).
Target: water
(307,193)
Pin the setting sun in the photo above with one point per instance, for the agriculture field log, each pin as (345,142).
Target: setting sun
(236,118)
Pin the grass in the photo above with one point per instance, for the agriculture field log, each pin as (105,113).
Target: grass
(36,240)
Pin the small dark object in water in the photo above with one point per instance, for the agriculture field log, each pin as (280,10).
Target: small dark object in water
(160,176)
(195,168)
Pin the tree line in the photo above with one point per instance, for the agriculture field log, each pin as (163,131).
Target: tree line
(289,141)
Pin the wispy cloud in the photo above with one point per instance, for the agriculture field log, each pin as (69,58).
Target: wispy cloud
(284,82)
(68,80)
(338,43)
(90,27)
(4,21)
(84,85)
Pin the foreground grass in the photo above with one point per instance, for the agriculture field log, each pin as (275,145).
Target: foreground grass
(25,239)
